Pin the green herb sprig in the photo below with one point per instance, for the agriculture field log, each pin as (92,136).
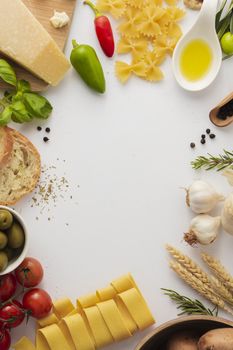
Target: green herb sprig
(188,306)
(219,162)
(21,104)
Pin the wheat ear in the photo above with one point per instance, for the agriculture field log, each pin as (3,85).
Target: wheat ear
(221,290)
(199,286)
(189,264)
(218,269)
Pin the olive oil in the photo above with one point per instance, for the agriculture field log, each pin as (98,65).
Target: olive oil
(195,60)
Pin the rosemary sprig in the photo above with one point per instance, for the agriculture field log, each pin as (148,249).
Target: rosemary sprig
(189,306)
(219,162)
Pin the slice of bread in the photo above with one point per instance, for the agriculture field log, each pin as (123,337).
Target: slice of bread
(22,171)
(6,145)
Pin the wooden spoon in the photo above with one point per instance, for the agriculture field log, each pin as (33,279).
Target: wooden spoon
(214,112)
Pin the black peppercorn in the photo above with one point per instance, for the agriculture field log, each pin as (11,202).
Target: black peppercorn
(39,128)
(208,131)
(212,136)
(203,141)
(203,136)
(192,145)
(46,139)
(47,130)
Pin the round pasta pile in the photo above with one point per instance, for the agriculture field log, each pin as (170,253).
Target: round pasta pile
(148,31)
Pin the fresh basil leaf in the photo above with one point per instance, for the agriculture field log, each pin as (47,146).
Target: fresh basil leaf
(5,116)
(19,112)
(7,73)
(23,86)
(219,14)
(38,106)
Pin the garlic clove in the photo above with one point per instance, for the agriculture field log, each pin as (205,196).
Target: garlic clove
(201,197)
(228,173)
(227,215)
(203,229)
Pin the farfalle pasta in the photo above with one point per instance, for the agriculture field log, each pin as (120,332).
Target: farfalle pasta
(149,31)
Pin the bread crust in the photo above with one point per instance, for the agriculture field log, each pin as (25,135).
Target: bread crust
(7,141)
(28,144)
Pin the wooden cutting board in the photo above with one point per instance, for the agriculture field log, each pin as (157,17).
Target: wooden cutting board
(43,11)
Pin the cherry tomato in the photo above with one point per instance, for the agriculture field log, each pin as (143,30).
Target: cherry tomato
(5,339)
(29,273)
(13,314)
(38,302)
(227,43)
(7,286)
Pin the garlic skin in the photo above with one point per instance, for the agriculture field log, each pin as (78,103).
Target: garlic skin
(203,229)
(202,197)
(59,19)
(228,173)
(227,215)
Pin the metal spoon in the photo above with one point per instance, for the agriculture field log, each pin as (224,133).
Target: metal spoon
(203,29)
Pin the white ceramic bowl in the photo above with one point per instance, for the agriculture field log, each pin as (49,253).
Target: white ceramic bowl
(17,261)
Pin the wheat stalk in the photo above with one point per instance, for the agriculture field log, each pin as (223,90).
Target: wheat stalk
(221,290)
(190,265)
(219,270)
(199,286)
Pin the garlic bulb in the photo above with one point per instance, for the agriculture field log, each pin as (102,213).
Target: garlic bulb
(203,229)
(202,197)
(227,215)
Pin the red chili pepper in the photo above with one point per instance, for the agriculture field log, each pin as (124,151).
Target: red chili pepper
(103,31)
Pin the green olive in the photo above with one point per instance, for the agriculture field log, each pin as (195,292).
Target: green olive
(15,236)
(3,261)
(6,219)
(10,253)
(3,240)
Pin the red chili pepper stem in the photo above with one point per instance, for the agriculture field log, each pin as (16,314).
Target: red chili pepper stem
(93,7)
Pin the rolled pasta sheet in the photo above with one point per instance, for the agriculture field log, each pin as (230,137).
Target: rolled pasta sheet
(24,344)
(129,321)
(77,331)
(114,320)
(87,301)
(124,283)
(106,293)
(51,338)
(98,327)
(47,321)
(137,308)
(62,307)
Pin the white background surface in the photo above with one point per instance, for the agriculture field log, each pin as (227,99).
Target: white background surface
(128,151)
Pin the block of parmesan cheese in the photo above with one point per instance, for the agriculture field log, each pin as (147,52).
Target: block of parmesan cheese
(24,40)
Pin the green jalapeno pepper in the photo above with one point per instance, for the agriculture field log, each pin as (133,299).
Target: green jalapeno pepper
(85,61)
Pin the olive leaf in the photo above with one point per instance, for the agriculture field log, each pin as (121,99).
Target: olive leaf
(38,106)
(5,116)
(231,25)
(219,14)
(224,25)
(7,73)
(19,112)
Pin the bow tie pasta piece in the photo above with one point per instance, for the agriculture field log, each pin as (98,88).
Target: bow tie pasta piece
(175,13)
(129,27)
(149,25)
(152,61)
(172,2)
(168,41)
(124,70)
(139,4)
(115,7)
(137,47)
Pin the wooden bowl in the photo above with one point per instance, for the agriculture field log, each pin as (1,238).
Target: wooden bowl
(214,112)
(158,338)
